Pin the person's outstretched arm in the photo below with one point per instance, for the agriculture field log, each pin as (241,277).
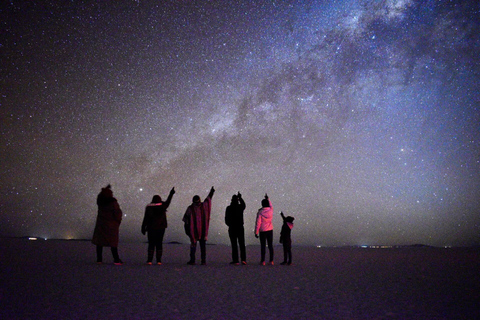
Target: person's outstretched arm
(169,199)
(242,202)
(212,191)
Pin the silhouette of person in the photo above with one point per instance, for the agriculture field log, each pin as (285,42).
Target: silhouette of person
(197,221)
(264,226)
(155,223)
(285,239)
(236,232)
(107,225)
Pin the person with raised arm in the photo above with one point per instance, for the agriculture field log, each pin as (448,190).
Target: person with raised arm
(286,239)
(155,223)
(197,221)
(264,229)
(236,232)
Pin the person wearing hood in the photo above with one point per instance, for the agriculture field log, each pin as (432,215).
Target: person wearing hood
(264,228)
(155,223)
(197,221)
(107,226)
(285,239)
(236,232)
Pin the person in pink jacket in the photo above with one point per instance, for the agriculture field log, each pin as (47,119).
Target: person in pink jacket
(264,227)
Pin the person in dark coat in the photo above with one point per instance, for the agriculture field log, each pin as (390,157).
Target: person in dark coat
(155,223)
(197,221)
(286,239)
(107,226)
(236,232)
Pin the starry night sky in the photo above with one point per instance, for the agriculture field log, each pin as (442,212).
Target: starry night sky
(359,118)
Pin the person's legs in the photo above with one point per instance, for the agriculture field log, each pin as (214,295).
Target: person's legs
(285,253)
(263,240)
(232,234)
(193,248)
(116,258)
(99,254)
(289,251)
(203,251)
(151,246)
(241,243)
(159,244)
(269,236)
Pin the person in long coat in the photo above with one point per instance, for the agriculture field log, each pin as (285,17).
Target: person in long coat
(197,221)
(155,223)
(106,231)
(236,232)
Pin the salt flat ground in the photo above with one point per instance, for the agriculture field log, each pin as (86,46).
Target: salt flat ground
(60,280)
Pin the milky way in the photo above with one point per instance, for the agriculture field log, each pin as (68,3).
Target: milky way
(360,119)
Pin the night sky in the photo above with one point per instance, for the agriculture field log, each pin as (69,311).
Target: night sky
(359,118)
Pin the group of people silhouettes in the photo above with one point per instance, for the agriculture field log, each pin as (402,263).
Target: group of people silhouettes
(196,223)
